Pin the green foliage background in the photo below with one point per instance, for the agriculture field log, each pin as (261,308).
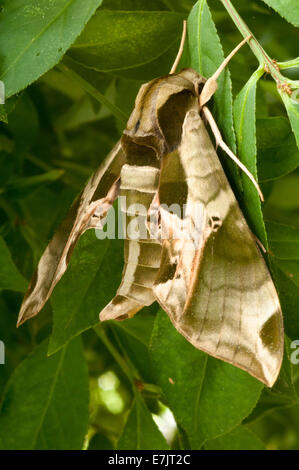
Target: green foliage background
(72,70)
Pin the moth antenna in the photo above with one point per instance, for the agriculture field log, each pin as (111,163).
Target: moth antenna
(211,84)
(181,48)
(220,142)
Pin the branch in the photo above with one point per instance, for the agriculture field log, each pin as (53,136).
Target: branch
(269,65)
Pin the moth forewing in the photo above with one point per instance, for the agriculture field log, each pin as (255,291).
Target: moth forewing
(87,211)
(218,292)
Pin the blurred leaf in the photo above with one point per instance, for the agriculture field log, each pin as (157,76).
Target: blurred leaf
(68,68)
(288,9)
(292,108)
(179,5)
(10,278)
(21,187)
(282,394)
(23,123)
(46,30)
(284,240)
(143,5)
(103,48)
(7,108)
(126,92)
(156,68)
(89,284)
(134,335)
(141,432)
(208,397)
(284,258)
(277,150)
(206,56)
(244,115)
(45,404)
(239,438)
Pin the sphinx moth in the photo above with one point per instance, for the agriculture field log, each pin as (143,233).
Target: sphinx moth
(202,264)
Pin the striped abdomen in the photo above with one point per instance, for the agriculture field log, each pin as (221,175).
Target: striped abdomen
(142,258)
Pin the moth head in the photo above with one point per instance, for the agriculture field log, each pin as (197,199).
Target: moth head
(160,109)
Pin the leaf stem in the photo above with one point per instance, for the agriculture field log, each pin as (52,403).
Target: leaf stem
(268,64)
(289,64)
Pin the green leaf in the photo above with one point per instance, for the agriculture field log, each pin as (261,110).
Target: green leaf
(156,68)
(45,32)
(140,431)
(10,278)
(207,396)
(284,240)
(100,442)
(134,335)
(7,108)
(278,154)
(45,404)
(179,5)
(245,125)
(284,257)
(103,48)
(23,122)
(282,394)
(239,438)
(89,284)
(288,9)
(292,107)
(206,56)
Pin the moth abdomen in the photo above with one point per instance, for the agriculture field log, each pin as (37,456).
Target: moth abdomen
(142,254)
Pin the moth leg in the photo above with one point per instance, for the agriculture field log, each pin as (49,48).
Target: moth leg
(259,243)
(220,142)
(211,85)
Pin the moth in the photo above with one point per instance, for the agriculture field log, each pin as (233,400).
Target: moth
(207,272)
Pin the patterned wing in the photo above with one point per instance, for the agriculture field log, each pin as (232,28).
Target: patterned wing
(213,281)
(87,211)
